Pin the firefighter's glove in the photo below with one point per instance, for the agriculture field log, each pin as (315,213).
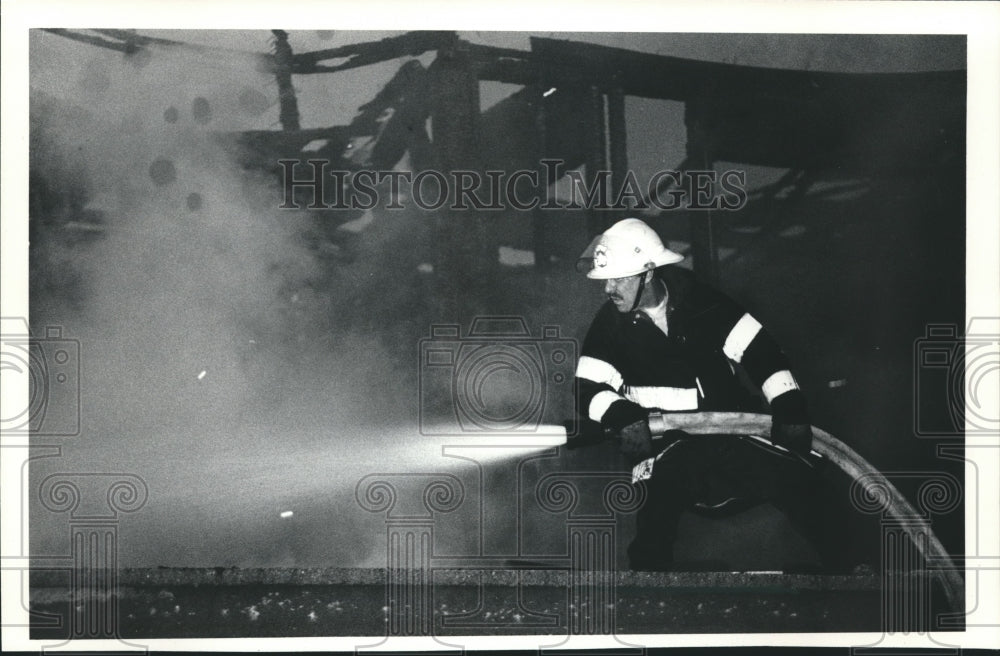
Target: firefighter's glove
(796,437)
(635,441)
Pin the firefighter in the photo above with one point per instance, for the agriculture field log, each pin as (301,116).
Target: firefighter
(664,341)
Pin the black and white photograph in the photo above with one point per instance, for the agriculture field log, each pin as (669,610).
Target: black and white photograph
(349,330)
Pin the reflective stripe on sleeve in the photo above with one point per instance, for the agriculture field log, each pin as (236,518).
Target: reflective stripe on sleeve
(777,384)
(598,371)
(740,337)
(664,398)
(600,404)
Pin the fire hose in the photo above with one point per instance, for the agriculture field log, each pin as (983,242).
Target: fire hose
(841,455)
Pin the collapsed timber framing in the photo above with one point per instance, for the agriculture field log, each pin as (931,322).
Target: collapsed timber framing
(813,123)
(810,122)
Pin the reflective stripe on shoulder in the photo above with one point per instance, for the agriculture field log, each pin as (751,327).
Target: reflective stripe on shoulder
(777,384)
(600,404)
(740,337)
(598,371)
(664,398)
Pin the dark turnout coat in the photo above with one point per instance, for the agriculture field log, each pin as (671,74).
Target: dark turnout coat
(628,366)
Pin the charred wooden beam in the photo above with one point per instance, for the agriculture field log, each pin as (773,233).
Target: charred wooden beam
(131,36)
(540,219)
(597,158)
(481,52)
(371,52)
(539,231)
(499,64)
(130,43)
(91,40)
(704,255)
(283,57)
(510,71)
(462,260)
(617,145)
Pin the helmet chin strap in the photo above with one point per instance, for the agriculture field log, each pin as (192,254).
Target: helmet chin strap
(638,293)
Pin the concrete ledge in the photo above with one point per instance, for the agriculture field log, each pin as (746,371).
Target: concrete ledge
(231,602)
(467,576)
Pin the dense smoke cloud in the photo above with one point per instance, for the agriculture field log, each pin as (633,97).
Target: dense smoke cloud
(222,358)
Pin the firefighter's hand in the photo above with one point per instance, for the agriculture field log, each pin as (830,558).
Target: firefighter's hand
(636,442)
(797,437)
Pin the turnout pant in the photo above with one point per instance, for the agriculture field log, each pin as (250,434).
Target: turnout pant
(709,470)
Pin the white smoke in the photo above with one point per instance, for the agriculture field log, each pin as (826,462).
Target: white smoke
(215,364)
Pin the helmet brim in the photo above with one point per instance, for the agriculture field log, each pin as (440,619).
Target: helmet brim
(585,263)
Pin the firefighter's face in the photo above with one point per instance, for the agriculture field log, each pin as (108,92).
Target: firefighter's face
(622,291)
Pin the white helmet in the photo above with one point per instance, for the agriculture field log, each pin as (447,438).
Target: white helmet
(627,248)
